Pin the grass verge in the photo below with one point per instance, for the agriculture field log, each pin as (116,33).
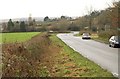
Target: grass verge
(74,64)
(102,40)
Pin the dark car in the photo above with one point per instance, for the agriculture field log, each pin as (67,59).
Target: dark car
(114,41)
(86,36)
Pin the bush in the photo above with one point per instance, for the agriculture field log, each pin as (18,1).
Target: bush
(94,29)
(107,34)
(83,31)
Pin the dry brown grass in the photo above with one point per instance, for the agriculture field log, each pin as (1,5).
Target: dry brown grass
(26,59)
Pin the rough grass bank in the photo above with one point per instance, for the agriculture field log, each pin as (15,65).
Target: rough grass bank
(47,56)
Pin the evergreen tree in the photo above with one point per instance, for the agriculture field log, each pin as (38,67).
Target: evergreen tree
(46,18)
(10,25)
(22,26)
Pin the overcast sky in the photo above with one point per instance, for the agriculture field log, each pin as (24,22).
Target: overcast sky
(51,8)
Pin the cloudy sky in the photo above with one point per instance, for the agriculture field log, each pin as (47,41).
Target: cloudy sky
(51,8)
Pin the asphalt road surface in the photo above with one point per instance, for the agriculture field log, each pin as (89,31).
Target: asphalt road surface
(100,53)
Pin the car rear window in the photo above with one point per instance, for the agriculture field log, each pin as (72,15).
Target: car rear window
(117,38)
(86,34)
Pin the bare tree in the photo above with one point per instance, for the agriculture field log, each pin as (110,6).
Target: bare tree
(89,11)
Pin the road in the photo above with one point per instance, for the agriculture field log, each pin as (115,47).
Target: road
(100,53)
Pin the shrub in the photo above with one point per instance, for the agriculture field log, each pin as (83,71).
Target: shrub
(107,34)
(94,29)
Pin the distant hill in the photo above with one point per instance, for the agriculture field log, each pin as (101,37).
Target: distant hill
(22,19)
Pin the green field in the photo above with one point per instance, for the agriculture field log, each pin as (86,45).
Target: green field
(16,37)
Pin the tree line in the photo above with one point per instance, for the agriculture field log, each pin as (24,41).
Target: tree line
(18,26)
(95,21)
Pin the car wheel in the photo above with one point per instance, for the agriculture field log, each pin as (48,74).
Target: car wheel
(113,45)
(109,45)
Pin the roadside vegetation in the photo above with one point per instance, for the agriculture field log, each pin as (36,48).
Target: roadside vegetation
(45,55)
(102,36)
(105,36)
(75,65)
(0,37)
(25,59)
